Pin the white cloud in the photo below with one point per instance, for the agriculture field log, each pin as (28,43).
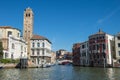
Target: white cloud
(100,21)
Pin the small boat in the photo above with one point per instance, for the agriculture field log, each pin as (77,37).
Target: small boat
(47,65)
(53,64)
(1,67)
(44,66)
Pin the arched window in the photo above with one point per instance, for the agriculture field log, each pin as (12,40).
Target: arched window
(28,15)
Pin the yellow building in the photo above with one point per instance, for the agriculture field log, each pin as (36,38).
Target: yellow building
(5,31)
(14,47)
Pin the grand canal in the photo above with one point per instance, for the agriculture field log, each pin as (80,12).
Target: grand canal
(60,72)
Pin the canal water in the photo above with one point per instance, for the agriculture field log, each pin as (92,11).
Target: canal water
(60,72)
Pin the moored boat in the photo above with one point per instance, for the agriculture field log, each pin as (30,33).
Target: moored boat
(1,67)
(44,65)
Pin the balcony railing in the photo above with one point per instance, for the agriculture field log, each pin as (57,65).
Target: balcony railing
(46,54)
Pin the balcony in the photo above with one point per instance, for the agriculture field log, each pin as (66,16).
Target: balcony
(46,54)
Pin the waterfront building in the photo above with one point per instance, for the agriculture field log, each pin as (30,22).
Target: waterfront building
(28,28)
(53,57)
(68,56)
(40,50)
(60,54)
(5,31)
(76,54)
(100,49)
(84,54)
(117,48)
(14,47)
(17,48)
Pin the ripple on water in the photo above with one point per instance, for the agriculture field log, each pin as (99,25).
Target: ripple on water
(60,72)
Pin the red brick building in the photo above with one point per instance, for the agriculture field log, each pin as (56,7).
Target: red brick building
(76,54)
(100,49)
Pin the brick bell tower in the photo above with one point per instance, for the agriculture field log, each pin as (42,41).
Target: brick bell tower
(28,28)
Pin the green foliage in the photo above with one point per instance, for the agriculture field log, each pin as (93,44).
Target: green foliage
(1,50)
(16,61)
(5,60)
(9,61)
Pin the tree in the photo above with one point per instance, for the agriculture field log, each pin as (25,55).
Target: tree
(1,50)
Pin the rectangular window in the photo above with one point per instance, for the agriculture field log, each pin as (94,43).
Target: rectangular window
(18,35)
(118,44)
(25,49)
(87,44)
(97,38)
(12,56)
(38,52)
(83,46)
(118,37)
(32,52)
(90,48)
(119,60)
(33,44)
(103,46)
(9,33)
(43,45)
(97,47)
(43,51)
(103,37)
(21,48)
(93,47)
(119,53)
(6,55)
(38,44)
(13,46)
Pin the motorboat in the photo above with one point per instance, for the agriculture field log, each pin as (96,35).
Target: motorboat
(1,67)
(44,65)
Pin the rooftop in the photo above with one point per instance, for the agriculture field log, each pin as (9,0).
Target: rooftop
(8,27)
(38,37)
(98,33)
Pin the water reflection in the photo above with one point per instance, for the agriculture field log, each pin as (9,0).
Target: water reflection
(110,73)
(113,73)
(61,73)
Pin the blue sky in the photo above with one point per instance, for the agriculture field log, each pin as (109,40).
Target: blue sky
(64,22)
